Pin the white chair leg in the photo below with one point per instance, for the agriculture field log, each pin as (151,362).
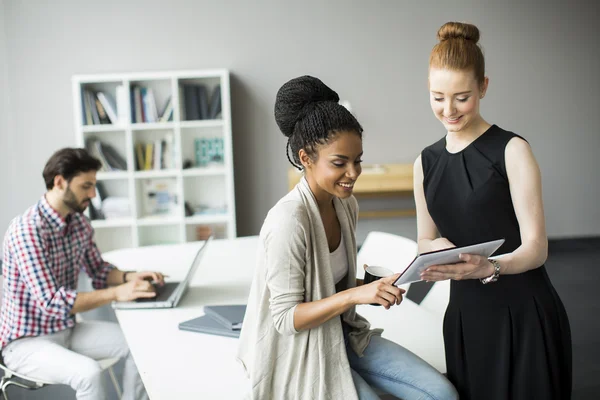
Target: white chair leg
(113,378)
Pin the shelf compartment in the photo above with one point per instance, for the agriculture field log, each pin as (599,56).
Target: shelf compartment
(158,200)
(200,99)
(203,147)
(156,144)
(104,105)
(149,99)
(205,195)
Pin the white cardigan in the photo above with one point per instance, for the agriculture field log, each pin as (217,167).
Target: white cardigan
(293,267)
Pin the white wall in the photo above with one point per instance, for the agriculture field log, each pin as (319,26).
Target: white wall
(6,138)
(542,62)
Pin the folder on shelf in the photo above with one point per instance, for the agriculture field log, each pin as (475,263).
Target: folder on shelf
(215,103)
(203,101)
(190,97)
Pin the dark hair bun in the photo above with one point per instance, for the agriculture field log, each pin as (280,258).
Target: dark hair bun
(297,98)
(458,30)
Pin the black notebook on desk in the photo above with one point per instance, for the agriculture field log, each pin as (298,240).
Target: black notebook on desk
(206,324)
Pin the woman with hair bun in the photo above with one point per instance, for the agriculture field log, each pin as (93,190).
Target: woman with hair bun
(302,337)
(506,332)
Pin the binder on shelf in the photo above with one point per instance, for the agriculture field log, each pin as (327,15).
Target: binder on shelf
(215,103)
(202,101)
(191,100)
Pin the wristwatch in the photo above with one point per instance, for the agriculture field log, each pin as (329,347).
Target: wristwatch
(494,276)
(125,275)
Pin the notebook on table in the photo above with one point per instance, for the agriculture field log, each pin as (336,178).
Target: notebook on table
(206,324)
(230,316)
(219,320)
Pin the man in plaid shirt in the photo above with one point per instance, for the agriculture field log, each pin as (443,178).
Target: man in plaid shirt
(44,250)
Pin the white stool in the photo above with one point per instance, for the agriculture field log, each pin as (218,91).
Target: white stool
(34,384)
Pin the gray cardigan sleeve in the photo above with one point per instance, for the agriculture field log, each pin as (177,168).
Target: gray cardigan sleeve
(285,248)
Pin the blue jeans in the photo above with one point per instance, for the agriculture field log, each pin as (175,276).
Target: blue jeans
(388,366)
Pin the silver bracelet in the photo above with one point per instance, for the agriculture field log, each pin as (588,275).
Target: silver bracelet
(494,276)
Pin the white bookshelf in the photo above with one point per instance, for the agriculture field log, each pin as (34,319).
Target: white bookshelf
(208,188)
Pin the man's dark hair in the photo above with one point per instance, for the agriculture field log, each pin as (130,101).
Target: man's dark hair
(69,162)
(307,113)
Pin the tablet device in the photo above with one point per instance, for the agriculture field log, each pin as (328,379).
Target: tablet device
(412,273)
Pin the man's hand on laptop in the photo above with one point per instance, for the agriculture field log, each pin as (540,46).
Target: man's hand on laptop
(155,277)
(134,289)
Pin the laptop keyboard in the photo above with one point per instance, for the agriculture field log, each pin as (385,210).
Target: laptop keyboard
(162,292)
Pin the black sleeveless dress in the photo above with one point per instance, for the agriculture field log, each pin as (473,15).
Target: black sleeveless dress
(508,340)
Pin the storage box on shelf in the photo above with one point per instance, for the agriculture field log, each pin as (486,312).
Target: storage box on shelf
(164,140)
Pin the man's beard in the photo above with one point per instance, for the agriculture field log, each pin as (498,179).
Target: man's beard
(70,201)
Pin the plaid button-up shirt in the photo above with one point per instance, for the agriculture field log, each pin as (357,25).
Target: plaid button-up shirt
(43,254)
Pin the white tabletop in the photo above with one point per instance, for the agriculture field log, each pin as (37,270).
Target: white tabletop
(178,364)
(183,365)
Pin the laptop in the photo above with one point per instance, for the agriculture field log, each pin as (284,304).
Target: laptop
(168,295)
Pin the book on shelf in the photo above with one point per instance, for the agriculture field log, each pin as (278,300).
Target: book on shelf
(137,109)
(86,111)
(150,114)
(192,102)
(102,116)
(167,112)
(215,103)
(203,101)
(149,156)
(96,203)
(196,102)
(122,100)
(156,155)
(92,117)
(110,159)
(109,106)
(139,153)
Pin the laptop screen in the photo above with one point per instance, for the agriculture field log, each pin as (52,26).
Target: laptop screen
(188,277)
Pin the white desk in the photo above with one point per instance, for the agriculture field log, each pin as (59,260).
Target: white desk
(182,365)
